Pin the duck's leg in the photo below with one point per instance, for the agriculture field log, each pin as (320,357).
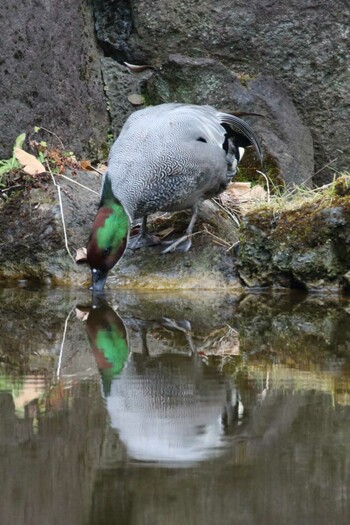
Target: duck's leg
(143,238)
(184,243)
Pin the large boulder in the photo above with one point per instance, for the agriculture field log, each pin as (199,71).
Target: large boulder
(287,142)
(50,75)
(303,45)
(33,243)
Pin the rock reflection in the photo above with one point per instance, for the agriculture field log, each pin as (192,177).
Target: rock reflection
(173,408)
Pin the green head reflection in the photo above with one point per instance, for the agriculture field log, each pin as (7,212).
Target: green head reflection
(108,339)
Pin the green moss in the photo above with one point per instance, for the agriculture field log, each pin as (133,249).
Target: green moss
(245,78)
(304,225)
(342,186)
(247,171)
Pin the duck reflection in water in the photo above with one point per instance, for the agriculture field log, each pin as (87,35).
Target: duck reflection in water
(172,408)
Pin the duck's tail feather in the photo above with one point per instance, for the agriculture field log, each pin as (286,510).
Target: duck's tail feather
(240,132)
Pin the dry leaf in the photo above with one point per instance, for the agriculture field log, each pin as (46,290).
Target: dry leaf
(86,165)
(258,193)
(243,192)
(82,315)
(239,189)
(81,255)
(240,196)
(102,167)
(30,164)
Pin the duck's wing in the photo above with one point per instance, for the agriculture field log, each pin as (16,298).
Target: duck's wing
(187,122)
(216,127)
(240,132)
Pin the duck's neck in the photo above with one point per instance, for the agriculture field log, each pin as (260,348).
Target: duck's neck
(112,224)
(109,236)
(113,221)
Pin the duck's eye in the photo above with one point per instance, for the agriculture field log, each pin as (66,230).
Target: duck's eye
(107,251)
(201,139)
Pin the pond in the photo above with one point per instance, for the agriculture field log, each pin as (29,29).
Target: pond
(195,408)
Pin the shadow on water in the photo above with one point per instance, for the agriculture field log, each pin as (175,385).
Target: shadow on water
(187,408)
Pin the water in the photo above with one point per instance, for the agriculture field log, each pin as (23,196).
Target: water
(188,409)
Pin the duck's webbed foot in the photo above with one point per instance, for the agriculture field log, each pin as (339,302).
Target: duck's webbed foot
(143,238)
(140,241)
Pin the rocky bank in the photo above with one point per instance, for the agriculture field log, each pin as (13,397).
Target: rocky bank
(69,78)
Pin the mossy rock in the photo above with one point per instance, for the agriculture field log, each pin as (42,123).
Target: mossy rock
(307,246)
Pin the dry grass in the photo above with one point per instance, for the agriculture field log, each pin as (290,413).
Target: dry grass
(293,198)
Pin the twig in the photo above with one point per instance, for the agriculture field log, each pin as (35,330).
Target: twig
(220,241)
(61,208)
(78,184)
(324,167)
(97,171)
(54,134)
(233,217)
(321,169)
(267,184)
(59,364)
(232,246)
(12,188)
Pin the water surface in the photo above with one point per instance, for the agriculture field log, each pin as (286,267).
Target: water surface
(187,409)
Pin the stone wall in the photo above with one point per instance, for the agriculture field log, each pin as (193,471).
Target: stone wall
(50,74)
(51,66)
(303,45)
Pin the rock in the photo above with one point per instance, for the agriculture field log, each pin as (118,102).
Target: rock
(305,247)
(33,245)
(287,142)
(304,46)
(113,23)
(208,265)
(120,84)
(50,71)
(308,328)
(31,231)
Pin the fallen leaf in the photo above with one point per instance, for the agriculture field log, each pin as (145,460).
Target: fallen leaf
(82,315)
(20,140)
(240,196)
(31,165)
(102,167)
(258,193)
(81,255)
(244,192)
(239,189)
(86,165)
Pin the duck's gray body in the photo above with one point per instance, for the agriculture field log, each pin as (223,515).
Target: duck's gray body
(170,157)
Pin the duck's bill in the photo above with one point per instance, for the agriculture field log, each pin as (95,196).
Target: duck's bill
(98,280)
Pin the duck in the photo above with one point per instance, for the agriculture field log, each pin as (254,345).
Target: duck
(167,157)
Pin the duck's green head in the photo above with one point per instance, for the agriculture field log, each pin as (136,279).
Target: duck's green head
(107,242)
